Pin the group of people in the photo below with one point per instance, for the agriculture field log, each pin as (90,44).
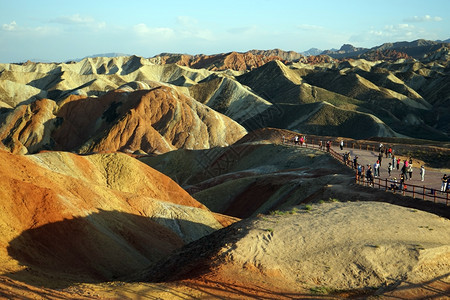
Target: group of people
(296,140)
(369,172)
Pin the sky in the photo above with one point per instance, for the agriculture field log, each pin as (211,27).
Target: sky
(57,31)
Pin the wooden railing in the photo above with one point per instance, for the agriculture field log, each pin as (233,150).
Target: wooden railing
(415,191)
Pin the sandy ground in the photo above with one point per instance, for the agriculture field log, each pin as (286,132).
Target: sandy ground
(336,249)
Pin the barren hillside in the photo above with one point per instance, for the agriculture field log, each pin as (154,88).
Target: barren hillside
(91,218)
(329,247)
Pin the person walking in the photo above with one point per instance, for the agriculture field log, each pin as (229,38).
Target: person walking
(389,169)
(398,163)
(341,144)
(422,173)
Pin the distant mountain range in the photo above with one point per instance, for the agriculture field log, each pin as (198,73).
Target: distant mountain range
(111,54)
(417,49)
(422,50)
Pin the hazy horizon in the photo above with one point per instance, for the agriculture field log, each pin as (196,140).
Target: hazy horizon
(59,31)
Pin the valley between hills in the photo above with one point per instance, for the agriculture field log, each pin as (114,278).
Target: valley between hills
(170,177)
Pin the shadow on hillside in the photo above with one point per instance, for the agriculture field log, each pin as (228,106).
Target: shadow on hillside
(100,247)
(435,288)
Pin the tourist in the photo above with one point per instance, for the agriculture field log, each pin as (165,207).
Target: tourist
(444,183)
(296,140)
(404,170)
(398,163)
(394,184)
(410,170)
(369,175)
(359,168)
(341,144)
(389,169)
(402,180)
(422,173)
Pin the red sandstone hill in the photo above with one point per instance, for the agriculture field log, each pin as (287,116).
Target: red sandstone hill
(91,218)
(219,62)
(157,120)
(387,55)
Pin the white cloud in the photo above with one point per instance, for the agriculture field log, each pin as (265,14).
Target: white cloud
(10,27)
(426,18)
(146,31)
(396,32)
(79,20)
(74,19)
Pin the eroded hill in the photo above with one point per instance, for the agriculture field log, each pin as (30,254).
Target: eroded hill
(91,218)
(356,98)
(312,248)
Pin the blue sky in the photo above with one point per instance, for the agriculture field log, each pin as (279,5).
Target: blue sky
(62,30)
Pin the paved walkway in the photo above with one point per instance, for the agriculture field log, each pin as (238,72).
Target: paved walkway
(365,157)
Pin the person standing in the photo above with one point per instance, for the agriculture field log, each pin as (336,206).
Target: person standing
(380,157)
(398,163)
(389,169)
(410,170)
(404,170)
(341,144)
(402,181)
(369,175)
(444,183)
(422,173)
